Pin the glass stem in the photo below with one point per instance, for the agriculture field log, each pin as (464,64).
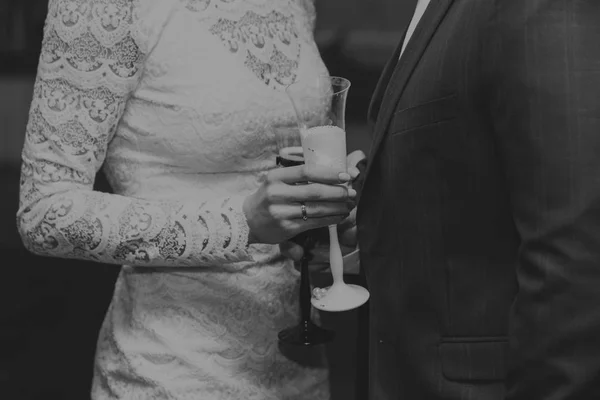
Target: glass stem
(305,293)
(335,256)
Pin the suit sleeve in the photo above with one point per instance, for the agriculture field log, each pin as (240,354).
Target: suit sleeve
(546,115)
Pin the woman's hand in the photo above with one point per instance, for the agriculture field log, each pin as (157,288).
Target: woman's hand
(274,211)
(346,227)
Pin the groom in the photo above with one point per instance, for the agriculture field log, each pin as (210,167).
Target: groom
(479,219)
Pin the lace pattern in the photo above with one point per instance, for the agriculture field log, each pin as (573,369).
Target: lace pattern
(88,66)
(183,128)
(269,44)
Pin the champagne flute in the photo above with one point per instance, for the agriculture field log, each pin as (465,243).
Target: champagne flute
(320,107)
(306,333)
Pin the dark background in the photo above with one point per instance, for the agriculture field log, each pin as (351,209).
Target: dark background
(51,309)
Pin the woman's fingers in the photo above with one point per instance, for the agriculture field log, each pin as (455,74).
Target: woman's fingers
(319,222)
(352,160)
(312,210)
(298,225)
(355,157)
(304,173)
(282,193)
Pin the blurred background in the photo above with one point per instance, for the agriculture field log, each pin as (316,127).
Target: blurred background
(51,309)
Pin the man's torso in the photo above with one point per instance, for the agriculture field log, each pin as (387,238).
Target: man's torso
(437,239)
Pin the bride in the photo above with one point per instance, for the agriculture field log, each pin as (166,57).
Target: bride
(175,100)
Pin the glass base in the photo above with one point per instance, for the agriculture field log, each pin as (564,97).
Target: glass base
(306,334)
(341,297)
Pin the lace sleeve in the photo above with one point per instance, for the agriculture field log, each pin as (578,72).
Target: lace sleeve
(91,60)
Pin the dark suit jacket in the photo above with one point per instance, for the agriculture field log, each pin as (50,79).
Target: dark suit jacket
(479,222)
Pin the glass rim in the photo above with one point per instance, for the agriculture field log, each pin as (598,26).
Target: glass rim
(345,82)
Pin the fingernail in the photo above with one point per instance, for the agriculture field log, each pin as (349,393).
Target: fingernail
(344,177)
(351,192)
(354,172)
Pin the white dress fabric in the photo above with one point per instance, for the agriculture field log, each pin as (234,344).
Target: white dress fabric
(176,100)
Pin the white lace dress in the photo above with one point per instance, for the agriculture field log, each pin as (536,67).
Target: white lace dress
(175,99)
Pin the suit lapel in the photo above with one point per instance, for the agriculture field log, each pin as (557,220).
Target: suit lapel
(401,74)
(383,81)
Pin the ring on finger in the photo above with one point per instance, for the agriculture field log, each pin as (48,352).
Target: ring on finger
(303,209)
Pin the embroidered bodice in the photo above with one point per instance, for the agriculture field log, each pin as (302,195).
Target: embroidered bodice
(116,80)
(176,100)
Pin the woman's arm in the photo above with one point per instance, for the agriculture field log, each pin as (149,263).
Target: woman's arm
(89,65)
